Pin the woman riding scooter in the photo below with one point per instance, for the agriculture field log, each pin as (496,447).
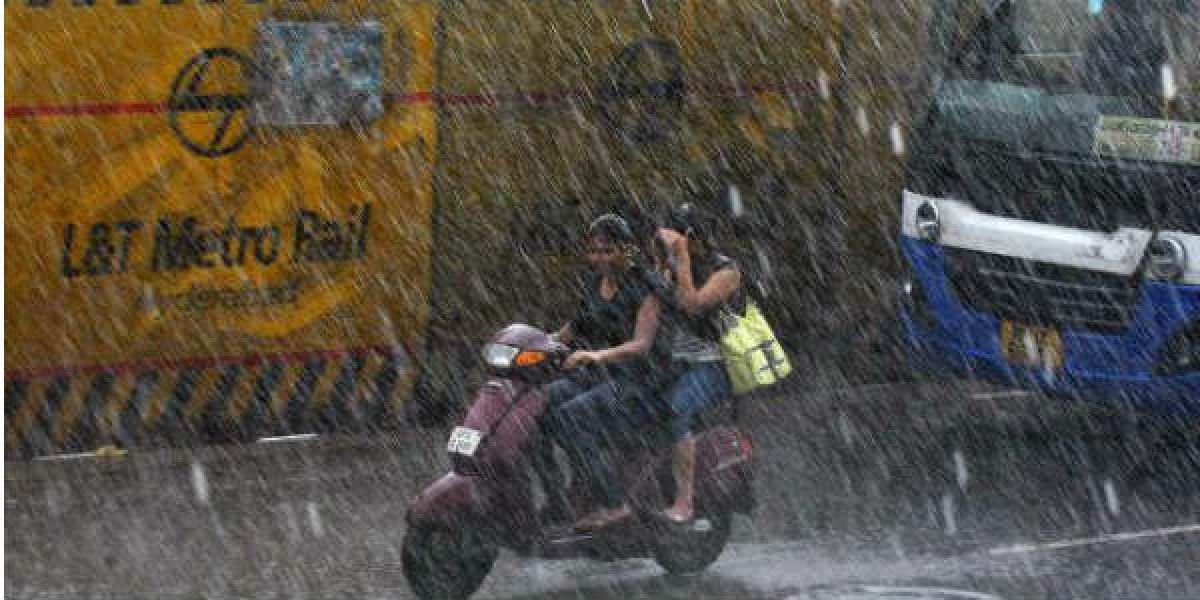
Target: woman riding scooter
(616,323)
(704,282)
(456,525)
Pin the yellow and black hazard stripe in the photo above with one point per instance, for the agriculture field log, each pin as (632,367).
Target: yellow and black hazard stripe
(352,390)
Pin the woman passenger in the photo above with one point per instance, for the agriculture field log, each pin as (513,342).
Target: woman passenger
(704,282)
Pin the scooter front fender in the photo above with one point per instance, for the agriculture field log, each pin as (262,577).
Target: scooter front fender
(452,499)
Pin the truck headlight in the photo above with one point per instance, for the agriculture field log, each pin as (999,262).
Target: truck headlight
(1168,259)
(1181,354)
(928,222)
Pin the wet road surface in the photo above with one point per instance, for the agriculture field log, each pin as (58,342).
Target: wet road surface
(864,492)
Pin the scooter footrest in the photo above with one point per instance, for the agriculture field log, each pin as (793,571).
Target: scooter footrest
(569,546)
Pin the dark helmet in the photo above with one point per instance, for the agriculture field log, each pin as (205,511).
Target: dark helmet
(611,227)
(690,219)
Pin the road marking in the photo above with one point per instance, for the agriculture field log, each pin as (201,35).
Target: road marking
(1104,539)
(879,591)
(1001,395)
(300,437)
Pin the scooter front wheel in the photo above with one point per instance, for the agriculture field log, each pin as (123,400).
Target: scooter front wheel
(445,563)
(691,548)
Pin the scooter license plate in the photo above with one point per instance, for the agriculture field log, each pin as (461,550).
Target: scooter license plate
(464,440)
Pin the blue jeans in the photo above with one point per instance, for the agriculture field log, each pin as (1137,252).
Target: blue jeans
(595,427)
(558,393)
(701,385)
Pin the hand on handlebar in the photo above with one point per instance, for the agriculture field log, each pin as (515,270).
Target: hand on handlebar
(580,358)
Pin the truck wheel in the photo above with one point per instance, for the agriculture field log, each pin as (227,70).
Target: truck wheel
(690,550)
(442,563)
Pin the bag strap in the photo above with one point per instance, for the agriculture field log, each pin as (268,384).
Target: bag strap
(729,318)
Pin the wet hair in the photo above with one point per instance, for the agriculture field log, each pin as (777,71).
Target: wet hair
(611,227)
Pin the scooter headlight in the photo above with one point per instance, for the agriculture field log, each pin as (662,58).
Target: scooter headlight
(1168,259)
(499,356)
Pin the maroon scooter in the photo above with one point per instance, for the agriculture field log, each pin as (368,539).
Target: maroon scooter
(457,525)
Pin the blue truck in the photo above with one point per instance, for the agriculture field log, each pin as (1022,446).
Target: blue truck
(1051,210)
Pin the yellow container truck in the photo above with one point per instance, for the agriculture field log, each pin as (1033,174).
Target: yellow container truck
(228,219)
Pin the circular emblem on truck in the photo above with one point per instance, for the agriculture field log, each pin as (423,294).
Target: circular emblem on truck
(643,91)
(209,99)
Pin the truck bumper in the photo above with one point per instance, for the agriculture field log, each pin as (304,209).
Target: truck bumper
(1113,369)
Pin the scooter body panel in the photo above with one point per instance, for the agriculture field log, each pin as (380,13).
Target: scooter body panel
(507,412)
(491,489)
(724,469)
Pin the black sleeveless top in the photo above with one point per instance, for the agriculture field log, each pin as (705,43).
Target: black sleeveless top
(601,323)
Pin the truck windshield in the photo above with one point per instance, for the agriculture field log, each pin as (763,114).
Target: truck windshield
(1113,78)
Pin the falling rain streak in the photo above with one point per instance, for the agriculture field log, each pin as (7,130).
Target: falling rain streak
(258,256)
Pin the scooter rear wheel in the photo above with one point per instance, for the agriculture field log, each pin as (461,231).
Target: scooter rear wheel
(681,550)
(444,563)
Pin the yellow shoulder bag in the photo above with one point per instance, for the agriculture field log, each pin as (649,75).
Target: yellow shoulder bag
(753,357)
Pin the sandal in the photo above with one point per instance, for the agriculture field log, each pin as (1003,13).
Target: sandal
(603,518)
(670,518)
